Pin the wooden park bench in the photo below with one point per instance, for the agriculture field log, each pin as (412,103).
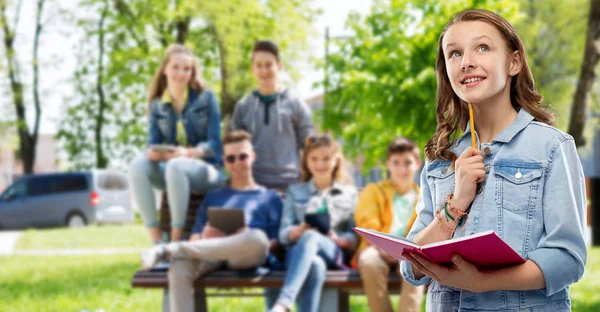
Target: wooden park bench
(339,284)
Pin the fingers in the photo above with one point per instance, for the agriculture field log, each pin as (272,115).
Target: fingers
(478,159)
(478,175)
(462,264)
(421,264)
(469,152)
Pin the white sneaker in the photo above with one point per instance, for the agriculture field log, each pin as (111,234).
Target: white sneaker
(278,308)
(153,256)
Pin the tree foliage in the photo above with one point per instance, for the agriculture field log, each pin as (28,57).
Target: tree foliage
(382,81)
(136,34)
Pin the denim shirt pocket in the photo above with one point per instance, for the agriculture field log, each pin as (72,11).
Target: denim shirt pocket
(517,185)
(441,181)
(300,206)
(198,118)
(162,121)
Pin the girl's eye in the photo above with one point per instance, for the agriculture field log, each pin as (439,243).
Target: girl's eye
(483,48)
(455,54)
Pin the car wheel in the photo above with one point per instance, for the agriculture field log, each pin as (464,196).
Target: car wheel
(75,220)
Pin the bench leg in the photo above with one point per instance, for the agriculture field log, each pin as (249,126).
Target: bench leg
(200,300)
(343,301)
(330,298)
(165,305)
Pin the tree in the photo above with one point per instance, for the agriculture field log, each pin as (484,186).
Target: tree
(554,36)
(136,33)
(587,74)
(235,25)
(383,79)
(27,138)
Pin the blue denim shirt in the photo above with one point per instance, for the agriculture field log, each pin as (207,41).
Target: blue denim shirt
(201,121)
(341,207)
(533,197)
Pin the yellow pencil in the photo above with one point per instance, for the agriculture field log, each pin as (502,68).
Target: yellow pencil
(472,122)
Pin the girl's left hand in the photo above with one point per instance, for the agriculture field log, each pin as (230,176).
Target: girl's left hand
(344,243)
(194,152)
(462,274)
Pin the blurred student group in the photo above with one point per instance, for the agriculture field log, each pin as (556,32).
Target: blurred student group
(290,186)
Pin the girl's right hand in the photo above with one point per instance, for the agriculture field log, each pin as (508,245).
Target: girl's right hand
(470,170)
(297,231)
(154,156)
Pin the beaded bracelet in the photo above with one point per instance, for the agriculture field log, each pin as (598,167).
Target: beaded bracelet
(460,214)
(444,227)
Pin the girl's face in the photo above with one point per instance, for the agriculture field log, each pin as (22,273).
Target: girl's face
(265,68)
(478,62)
(403,166)
(179,70)
(321,162)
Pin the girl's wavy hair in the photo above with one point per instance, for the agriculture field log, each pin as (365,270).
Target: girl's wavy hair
(452,113)
(159,81)
(339,174)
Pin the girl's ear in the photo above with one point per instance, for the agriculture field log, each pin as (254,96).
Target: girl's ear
(516,63)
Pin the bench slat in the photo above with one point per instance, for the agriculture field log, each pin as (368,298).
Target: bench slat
(232,279)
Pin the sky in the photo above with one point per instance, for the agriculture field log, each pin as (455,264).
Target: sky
(59,43)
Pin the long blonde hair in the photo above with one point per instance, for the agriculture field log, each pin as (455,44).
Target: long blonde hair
(452,112)
(159,81)
(339,173)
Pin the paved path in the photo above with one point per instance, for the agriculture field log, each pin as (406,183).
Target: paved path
(76,252)
(8,240)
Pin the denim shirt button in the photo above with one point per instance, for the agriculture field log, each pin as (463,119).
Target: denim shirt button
(487,151)
(444,171)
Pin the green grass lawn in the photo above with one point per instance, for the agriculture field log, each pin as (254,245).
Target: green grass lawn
(101,283)
(90,237)
(93,283)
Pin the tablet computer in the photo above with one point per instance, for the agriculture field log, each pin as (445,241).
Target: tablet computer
(226,220)
(319,221)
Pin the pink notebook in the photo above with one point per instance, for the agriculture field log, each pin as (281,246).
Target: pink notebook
(486,250)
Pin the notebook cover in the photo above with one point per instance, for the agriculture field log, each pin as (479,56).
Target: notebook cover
(394,246)
(486,250)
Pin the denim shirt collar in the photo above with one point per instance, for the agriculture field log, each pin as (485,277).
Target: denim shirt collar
(189,98)
(521,122)
(314,190)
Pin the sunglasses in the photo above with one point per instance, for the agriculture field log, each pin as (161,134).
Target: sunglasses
(313,139)
(232,158)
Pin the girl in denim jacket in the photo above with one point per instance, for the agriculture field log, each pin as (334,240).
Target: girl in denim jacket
(184,115)
(524,181)
(326,195)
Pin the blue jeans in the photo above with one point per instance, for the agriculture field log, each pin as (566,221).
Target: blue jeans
(178,176)
(307,262)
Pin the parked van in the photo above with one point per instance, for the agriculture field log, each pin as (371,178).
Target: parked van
(71,199)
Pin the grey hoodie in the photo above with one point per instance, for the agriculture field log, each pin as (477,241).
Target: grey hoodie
(278,142)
